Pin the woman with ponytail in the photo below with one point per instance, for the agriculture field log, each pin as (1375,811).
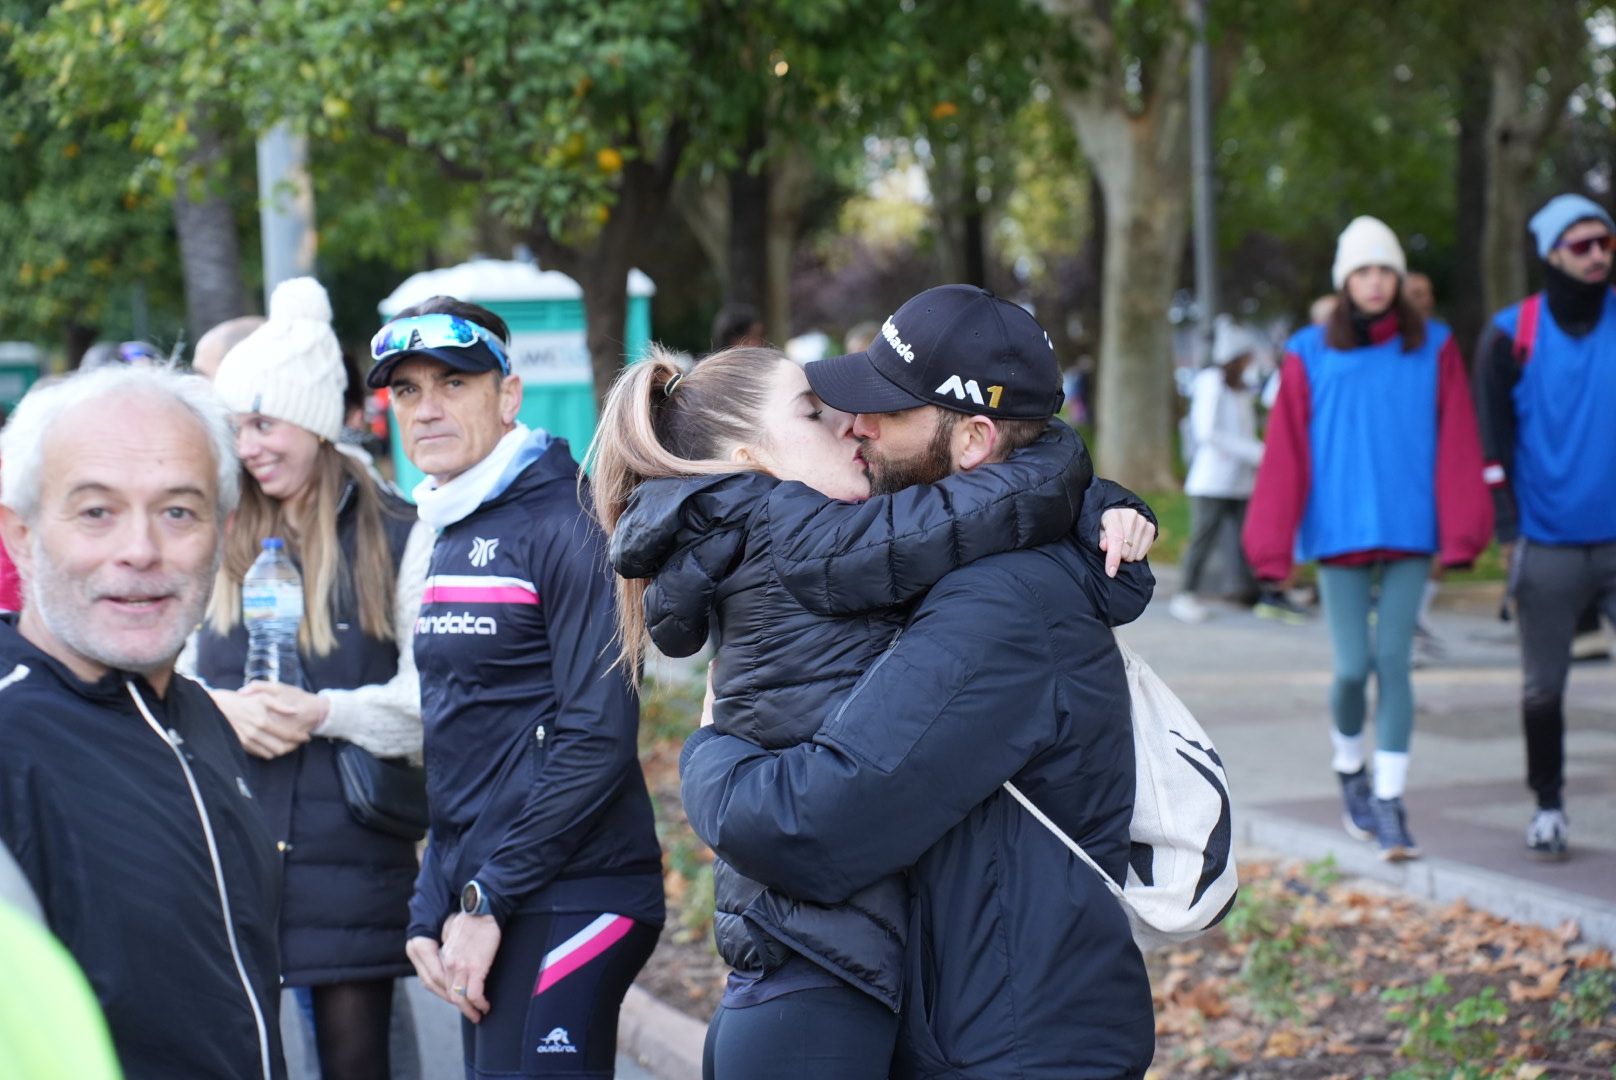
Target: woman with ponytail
(702,480)
(363,555)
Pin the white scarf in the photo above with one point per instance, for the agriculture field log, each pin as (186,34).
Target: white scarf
(441,505)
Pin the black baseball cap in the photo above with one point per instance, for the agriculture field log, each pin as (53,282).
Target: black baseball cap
(955,346)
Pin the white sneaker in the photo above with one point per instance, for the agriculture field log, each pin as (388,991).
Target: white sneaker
(1185,608)
(1549,835)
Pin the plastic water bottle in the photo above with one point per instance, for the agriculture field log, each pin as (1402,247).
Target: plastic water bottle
(272,608)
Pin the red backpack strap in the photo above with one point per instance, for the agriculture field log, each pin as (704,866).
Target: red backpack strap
(1526,327)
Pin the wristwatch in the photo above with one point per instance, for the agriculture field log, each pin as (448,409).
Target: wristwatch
(474,900)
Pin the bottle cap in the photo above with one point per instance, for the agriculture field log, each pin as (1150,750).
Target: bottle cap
(273,543)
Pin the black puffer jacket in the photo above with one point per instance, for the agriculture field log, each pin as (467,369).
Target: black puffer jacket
(720,550)
(346,898)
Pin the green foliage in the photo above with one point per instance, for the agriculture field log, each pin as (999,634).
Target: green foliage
(77,232)
(1277,945)
(1332,112)
(1592,996)
(670,709)
(1444,1038)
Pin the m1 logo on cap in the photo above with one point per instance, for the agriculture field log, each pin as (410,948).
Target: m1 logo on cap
(889,330)
(967,388)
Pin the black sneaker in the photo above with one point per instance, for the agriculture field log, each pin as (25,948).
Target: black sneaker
(1391,830)
(1274,604)
(1549,836)
(1356,817)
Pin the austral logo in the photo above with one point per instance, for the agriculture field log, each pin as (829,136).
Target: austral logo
(557,1042)
(960,389)
(464,623)
(482,551)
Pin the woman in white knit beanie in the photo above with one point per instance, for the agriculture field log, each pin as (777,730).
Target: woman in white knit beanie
(363,558)
(1372,467)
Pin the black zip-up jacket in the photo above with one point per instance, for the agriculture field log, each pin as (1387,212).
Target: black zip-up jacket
(533,774)
(1019,963)
(165,895)
(718,548)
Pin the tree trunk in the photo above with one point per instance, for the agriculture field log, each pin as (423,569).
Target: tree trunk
(974,245)
(601,269)
(210,254)
(1522,117)
(1467,309)
(1146,229)
(748,228)
(791,174)
(77,337)
(1138,146)
(702,199)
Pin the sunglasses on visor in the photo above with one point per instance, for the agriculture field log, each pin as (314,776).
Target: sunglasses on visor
(422,332)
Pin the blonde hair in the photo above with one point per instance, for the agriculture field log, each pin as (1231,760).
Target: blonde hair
(659,422)
(315,542)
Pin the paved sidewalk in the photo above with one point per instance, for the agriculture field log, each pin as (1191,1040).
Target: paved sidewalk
(1261,687)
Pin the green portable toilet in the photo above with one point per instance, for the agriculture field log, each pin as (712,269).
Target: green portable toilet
(545,311)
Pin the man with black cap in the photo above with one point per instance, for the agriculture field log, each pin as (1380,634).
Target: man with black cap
(1020,962)
(1546,391)
(540,894)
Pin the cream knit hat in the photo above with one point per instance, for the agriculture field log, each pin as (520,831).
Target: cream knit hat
(1367,241)
(291,367)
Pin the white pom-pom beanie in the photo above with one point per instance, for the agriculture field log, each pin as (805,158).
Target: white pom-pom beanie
(1366,241)
(291,367)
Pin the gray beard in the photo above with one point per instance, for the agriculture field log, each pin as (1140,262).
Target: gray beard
(47,585)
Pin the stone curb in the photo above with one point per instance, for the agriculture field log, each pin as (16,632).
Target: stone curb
(1434,879)
(664,1040)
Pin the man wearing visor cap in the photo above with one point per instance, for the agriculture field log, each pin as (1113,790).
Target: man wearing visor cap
(540,895)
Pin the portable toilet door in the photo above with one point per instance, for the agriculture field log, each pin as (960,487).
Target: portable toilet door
(545,312)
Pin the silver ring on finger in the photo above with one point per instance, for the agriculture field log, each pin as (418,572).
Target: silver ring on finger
(458,991)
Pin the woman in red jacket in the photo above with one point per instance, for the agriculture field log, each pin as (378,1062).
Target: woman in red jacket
(1373,466)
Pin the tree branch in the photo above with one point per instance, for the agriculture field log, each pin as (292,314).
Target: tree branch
(454,170)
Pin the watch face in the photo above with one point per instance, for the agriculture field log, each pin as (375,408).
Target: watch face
(469,897)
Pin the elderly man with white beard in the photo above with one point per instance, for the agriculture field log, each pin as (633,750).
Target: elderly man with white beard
(121,790)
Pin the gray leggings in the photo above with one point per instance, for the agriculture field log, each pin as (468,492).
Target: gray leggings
(1552,586)
(1348,596)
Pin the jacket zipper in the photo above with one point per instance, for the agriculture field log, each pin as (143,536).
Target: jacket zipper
(172,738)
(871,670)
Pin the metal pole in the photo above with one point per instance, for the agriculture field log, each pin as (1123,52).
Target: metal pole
(1206,226)
(286,207)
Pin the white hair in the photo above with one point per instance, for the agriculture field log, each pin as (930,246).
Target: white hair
(23,440)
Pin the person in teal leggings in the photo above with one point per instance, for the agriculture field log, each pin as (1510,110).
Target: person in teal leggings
(1372,466)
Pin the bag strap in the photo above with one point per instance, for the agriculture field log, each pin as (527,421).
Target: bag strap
(1526,327)
(1060,834)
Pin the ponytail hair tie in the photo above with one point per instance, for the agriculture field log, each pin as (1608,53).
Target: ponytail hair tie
(672,384)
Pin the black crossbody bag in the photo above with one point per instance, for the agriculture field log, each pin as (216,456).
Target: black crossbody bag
(385,794)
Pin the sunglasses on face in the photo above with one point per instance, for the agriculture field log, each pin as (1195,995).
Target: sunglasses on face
(434,332)
(1605,243)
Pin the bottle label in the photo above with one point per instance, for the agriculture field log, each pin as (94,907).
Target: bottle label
(275,601)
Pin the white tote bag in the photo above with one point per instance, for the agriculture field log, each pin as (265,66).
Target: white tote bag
(1181,874)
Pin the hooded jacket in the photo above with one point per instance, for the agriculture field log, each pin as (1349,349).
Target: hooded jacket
(720,550)
(1019,962)
(132,819)
(533,775)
